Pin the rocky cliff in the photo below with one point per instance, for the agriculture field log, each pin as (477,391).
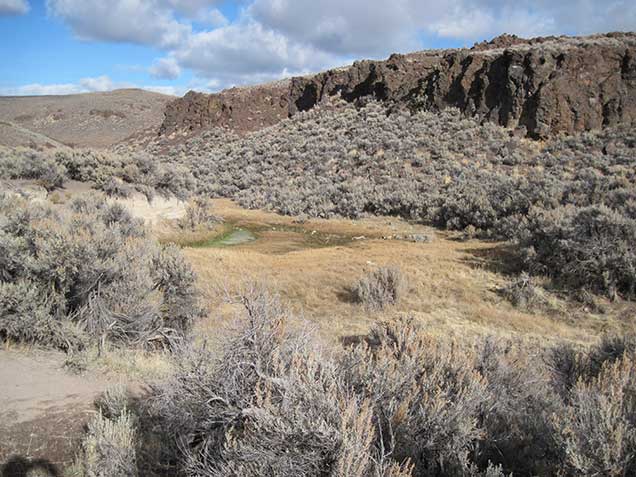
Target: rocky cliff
(239,109)
(540,87)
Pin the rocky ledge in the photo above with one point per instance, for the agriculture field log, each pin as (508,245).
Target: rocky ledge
(538,87)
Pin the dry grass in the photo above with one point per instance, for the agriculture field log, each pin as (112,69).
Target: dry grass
(452,284)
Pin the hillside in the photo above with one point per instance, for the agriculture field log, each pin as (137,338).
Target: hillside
(540,87)
(85,120)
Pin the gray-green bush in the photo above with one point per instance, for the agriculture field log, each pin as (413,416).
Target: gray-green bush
(88,271)
(380,288)
(399,403)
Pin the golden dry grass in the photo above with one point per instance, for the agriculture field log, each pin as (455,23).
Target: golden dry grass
(452,284)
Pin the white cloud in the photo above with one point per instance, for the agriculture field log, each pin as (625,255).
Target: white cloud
(100,83)
(353,27)
(215,18)
(378,27)
(165,68)
(248,52)
(275,38)
(170,90)
(14,7)
(37,89)
(190,8)
(84,85)
(135,21)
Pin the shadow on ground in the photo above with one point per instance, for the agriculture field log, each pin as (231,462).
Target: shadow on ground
(18,466)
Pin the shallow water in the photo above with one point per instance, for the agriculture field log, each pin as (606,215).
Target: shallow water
(235,237)
(274,239)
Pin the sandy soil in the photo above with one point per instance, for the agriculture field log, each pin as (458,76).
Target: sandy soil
(43,408)
(85,120)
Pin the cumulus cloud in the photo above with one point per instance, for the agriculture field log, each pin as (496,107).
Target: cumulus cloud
(353,27)
(215,18)
(377,27)
(84,85)
(165,68)
(248,50)
(273,38)
(14,7)
(146,22)
(189,8)
(169,90)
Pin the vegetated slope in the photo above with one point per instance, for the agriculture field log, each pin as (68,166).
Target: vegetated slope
(89,120)
(571,205)
(14,135)
(541,86)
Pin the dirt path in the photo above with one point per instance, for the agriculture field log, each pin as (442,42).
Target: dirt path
(43,408)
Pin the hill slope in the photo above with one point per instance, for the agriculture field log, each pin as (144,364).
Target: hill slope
(88,120)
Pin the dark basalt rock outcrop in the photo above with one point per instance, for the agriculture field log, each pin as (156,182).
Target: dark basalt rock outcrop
(541,87)
(239,109)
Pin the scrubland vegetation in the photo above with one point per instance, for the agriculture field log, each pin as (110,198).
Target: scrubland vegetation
(570,206)
(88,272)
(116,175)
(272,399)
(399,402)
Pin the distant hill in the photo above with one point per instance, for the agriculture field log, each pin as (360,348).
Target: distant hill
(86,120)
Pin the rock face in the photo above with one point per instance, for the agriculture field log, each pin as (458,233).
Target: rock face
(540,87)
(240,109)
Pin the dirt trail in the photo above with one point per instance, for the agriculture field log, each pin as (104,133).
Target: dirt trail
(43,408)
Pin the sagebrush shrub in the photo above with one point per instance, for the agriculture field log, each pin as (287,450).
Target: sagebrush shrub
(399,403)
(89,268)
(584,247)
(28,164)
(598,428)
(380,288)
(108,450)
(268,405)
(427,397)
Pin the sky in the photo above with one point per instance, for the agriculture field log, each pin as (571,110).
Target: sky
(172,46)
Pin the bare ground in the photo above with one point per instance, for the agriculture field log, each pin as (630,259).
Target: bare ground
(85,120)
(43,408)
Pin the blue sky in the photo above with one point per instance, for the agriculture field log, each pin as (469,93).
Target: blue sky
(67,46)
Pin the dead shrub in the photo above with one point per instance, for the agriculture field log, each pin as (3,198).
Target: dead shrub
(524,293)
(199,214)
